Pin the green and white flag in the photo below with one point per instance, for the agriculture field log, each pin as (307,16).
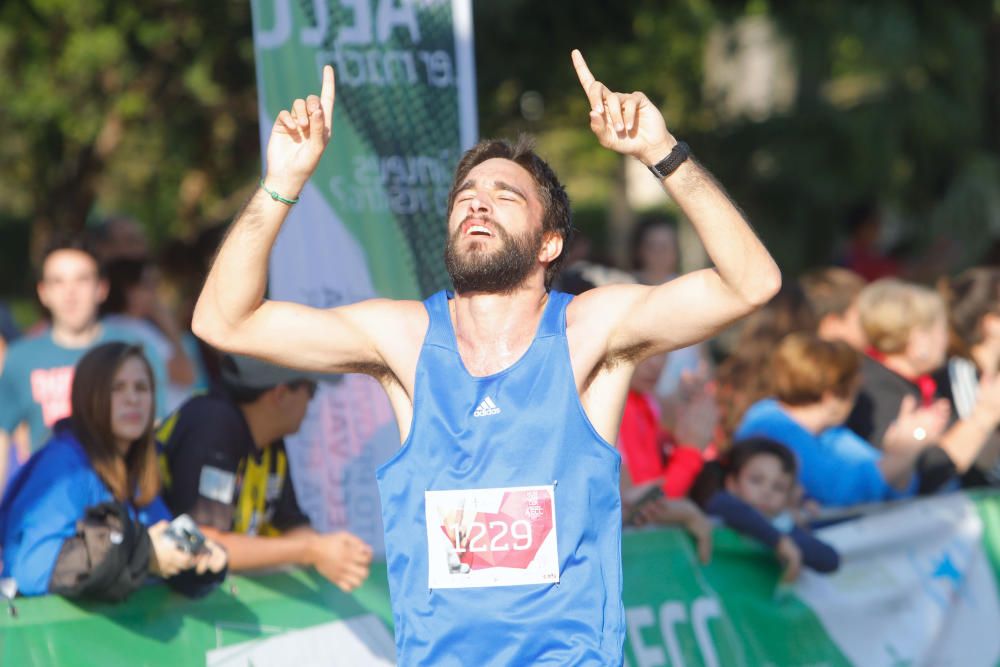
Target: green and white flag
(372,220)
(917,587)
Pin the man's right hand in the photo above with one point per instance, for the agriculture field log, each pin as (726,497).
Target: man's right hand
(298,139)
(342,558)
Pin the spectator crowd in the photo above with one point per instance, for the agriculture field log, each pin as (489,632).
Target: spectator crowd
(854,385)
(130,451)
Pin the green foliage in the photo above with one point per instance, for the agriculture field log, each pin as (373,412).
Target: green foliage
(895,101)
(150,109)
(142,108)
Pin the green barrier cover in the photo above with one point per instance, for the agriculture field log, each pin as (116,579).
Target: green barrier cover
(731,612)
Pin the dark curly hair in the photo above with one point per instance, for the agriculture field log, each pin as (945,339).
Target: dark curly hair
(556,215)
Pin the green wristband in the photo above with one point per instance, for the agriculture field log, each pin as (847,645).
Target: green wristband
(276,197)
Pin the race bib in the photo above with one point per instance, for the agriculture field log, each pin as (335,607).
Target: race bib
(491,537)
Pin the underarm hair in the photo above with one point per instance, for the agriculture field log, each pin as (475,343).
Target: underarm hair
(376,370)
(614,359)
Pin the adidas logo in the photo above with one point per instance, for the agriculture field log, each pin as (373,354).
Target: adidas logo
(486,408)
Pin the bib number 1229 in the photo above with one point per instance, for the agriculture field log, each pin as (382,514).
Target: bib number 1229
(491,537)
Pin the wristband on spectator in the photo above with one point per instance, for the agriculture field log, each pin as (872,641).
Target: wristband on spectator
(277,197)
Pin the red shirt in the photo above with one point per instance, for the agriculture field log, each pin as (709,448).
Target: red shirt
(649,451)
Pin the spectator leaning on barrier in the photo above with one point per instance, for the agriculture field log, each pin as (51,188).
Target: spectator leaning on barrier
(651,452)
(225,465)
(752,488)
(973,300)
(815,383)
(38,372)
(907,328)
(832,293)
(83,517)
(657,471)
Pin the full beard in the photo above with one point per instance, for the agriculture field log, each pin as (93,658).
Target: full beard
(498,272)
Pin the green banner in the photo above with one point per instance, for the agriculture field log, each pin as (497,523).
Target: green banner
(680,613)
(372,220)
(731,612)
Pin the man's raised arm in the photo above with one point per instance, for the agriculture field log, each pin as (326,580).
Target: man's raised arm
(231,313)
(698,304)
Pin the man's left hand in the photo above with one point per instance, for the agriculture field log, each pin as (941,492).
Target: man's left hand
(627,123)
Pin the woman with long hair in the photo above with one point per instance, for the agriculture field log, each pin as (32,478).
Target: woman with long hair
(83,517)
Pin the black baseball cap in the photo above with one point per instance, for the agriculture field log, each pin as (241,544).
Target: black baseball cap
(242,373)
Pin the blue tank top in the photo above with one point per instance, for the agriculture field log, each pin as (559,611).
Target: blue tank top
(502,512)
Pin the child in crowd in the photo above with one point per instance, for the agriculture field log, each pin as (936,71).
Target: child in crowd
(753,490)
(658,466)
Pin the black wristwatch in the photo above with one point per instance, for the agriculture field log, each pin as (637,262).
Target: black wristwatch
(669,164)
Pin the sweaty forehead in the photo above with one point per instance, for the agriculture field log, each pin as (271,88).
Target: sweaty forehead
(501,170)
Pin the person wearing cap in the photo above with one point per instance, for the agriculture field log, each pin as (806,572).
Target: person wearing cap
(224,463)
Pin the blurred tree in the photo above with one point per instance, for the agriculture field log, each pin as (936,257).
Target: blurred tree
(894,101)
(147,108)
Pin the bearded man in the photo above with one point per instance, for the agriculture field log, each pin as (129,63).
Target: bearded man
(501,509)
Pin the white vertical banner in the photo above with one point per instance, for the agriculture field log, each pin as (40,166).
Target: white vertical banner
(372,220)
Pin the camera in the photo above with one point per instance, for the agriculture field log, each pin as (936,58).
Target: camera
(186,535)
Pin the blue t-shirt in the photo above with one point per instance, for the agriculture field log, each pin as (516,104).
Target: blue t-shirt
(42,505)
(837,468)
(38,376)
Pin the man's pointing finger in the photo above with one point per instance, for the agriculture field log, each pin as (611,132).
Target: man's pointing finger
(587,81)
(326,95)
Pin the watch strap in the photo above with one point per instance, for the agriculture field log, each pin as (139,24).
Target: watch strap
(669,164)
